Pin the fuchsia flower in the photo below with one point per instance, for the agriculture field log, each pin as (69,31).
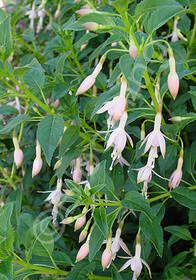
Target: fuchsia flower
(117,106)
(133,51)
(55,195)
(107,254)
(176,176)
(77,173)
(81,220)
(145,173)
(118,138)
(135,263)
(156,137)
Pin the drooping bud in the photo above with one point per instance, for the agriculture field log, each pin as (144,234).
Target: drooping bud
(18,153)
(82,220)
(90,80)
(58,164)
(77,173)
(173,79)
(37,164)
(176,176)
(107,254)
(57,13)
(84,250)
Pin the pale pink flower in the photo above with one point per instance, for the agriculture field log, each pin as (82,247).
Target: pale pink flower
(176,176)
(106,258)
(136,263)
(56,195)
(121,160)
(117,242)
(84,11)
(91,26)
(119,138)
(117,106)
(77,173)
(156,137)
(32,16)
(145,173)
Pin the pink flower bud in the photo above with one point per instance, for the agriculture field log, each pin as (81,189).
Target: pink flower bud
(92,26)
(57,14)
(144,174)
(133,51)
(77,175)
(83,252)
(37,165)
(68,220)
(82,235)
(83,12)
(86,84)
(176,176)
(173,84)
(79,223)
(55,104)
(106,258)
(18,157)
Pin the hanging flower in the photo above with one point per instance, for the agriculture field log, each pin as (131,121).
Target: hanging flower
(117,106)
(176,176)
(118,138)
(136,262)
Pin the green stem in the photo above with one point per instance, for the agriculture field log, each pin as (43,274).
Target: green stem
(29,94)
(150,88)
(9,180)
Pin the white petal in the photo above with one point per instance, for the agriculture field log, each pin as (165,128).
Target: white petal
(130,140)
(148,267)
(128,263)
(105,107)
(124,247)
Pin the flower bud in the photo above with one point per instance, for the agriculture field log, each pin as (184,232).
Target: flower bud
(176,119)
(83,12)
(173,84)
(91,26)
(68,220)
(18,157)
(37,165)
(83,235)
(81,220)
(86,84)
(58,164)
(83,252)
(106,258)
(176,176)
(79,223)
(133,51)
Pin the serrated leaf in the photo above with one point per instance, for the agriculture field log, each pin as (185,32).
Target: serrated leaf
(81,271)
(6,269)
(185,197)
(135,201)
(5,39)
(13,123)
(153,231)
(101,220)
(50,130)
(7,109)
(69,137)
(95,242)
(180,232)
(39,239)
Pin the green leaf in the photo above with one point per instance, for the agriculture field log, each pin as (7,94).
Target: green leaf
(70,136)
(7,109)
(50,130)
(61,62)
(5,39)
(34,78)
(185,197)
(101,220)
(135,201)
(6,230)
(81,271)
(33,65)
(39,239)
(180,232)
(16,197)
(95,242)
(121,5)
(13,123)
(66,159)
(25,222)
(157,13)
(6,269)
(74,187)
(153,231)
(98,175)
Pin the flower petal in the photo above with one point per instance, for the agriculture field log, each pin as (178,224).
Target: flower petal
(148,267)
(124,247)
(128,263)
(105,107)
